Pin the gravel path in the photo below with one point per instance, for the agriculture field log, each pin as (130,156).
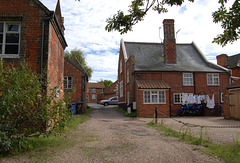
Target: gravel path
(110,137)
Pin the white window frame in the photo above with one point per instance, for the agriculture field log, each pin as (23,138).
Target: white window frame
(93,90)
(180,98)
(121,89)
(120,66)
(68,82)
(4,33)
(102,90)
(93,97)
(189,79)
(211,82)
(221,97)
(127,75)
(154,93)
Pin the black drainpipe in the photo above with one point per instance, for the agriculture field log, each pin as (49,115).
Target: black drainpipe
(170,101)
(194,82)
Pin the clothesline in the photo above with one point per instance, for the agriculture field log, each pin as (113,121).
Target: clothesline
(198,99)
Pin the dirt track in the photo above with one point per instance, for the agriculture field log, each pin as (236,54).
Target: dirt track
(110,137)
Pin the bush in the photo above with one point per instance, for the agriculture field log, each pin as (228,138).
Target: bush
(26,107)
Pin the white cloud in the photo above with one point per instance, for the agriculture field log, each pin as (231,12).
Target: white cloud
(85,22)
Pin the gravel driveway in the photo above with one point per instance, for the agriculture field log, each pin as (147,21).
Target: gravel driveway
(110,137)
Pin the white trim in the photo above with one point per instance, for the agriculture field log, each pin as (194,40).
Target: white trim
(151,94)
(124,49)
(221,97)
(121,89)
(180,94)
(188,78)
(5,23)
(212,74)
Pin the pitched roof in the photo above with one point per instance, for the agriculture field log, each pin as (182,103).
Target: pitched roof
(152,84)
(233,61)
(75,63)
(96,85)
(150,57)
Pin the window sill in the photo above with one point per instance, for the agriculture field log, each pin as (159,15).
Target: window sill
(10,56)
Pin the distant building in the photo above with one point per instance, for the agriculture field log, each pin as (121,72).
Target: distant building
(94,89)
(75,81)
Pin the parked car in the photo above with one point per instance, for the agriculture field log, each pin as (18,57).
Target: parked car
(111,101)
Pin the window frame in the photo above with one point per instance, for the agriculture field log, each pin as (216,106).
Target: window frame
(93,97)
(180,98)
(67,80)
(93,90)
(212,79)
(191,79)
(156,94)
(121,89)
(4,39)
(127,75)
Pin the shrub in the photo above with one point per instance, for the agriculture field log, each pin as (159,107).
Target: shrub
(26,107)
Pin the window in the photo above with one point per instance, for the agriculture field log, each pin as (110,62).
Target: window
(101,90)
(87,90)
(187,79)
(120,65)
(68,82)
(221,97)
(93,97)
(127,75)
(93,90)
(154,97)
(121,89)
(177,98)
(9,39)
(212,79)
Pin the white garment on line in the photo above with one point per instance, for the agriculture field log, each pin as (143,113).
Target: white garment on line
(210,102)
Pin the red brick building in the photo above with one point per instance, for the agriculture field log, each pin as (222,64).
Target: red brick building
(157,74)
(75,81)
(110,91)
(31,32)
(94,90)
(230,62)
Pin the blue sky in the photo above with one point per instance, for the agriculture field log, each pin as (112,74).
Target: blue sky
(85,22)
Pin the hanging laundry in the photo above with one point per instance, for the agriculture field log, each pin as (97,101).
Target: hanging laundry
(201,98)
(210,102)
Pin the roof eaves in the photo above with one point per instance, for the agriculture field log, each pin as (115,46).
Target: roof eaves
(206,60)
(124,50)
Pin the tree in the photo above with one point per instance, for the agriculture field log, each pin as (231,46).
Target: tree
(139,8)
(78,54)
(107,83)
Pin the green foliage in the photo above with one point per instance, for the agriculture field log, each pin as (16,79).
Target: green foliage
(78,54)
(26,107)
(229,20)
(107,83)
(137,10)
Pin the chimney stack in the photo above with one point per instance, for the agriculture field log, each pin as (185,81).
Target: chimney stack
(222,60)
(169,41)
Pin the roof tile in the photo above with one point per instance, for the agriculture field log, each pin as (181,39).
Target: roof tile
(152,84)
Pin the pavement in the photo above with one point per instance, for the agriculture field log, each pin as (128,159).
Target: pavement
(215,129)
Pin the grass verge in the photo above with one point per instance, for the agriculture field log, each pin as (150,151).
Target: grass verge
(229,153)
(126,114)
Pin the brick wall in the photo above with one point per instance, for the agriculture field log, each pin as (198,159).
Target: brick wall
(55,62)
(121,76)
(78,94)
(148,110)
(175,80)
